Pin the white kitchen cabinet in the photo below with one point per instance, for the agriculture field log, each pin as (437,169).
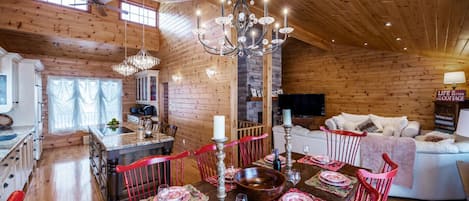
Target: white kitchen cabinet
(30,100)
(17,167)
(9,81)
(147,87)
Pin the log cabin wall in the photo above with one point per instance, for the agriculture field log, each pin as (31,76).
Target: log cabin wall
(363,81)
(195,98)
(57,66)
(52,20)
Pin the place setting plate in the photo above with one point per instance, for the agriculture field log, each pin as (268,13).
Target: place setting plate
(321,159)
(334,179)
(175,193)
(295,196)
(270,158)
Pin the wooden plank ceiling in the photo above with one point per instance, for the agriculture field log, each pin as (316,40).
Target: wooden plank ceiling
(429,27)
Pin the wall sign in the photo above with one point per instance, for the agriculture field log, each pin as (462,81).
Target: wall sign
(451,95)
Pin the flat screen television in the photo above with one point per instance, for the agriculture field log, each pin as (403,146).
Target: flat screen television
(303,105)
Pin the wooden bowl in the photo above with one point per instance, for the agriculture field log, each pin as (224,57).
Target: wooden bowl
(260,183)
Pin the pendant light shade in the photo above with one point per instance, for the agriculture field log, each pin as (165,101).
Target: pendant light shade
(124,68)
(143,60)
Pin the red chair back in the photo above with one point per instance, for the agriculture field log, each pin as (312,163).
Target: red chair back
(342,145)
(16,196)
(365,192)
(207,160)
(383,180)
(252,148)
(143,177)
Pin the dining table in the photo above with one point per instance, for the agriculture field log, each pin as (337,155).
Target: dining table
(307,171)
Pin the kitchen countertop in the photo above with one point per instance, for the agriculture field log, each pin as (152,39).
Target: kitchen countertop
(126,140)
(21,131)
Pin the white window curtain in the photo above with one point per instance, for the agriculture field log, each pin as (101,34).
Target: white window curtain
(76,103)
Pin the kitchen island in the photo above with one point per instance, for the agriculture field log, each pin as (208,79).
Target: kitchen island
(110,147)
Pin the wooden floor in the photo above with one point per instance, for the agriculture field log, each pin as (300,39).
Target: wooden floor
(63,174)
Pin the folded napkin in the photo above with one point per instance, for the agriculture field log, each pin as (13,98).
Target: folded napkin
(333,166)
(295,190)
(336,190)
(214,181)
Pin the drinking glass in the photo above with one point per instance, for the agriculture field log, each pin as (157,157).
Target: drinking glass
(306,150)
(241,197)
(294,177)
(163,189)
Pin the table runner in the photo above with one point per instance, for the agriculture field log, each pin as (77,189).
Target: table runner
(333,166)
(339,191)
(196,195)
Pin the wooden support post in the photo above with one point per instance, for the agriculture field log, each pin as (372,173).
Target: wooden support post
(233,65)
(267,92)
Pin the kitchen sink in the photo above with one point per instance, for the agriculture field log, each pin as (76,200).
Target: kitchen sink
(107,131)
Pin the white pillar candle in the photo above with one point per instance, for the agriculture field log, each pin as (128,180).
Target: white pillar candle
(285,19)
(218,127)
(286,117)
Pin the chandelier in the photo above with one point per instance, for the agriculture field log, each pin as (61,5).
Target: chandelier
(143,59)
(243,22)
(124,68)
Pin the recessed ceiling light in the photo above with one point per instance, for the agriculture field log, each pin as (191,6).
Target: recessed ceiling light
(333,40)
(365,43)
(398,39)
(405,49)
(388,24)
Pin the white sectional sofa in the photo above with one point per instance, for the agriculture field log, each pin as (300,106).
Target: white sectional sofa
(435,172)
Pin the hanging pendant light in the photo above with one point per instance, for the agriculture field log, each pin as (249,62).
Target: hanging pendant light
(143,59)
(125,68)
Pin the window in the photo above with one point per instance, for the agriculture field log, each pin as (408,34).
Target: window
(76,103)
(67,3)
(138,14)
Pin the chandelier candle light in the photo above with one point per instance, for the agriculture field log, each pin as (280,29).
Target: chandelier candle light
(143,59)
(219,138)
(124,68)
(242,21)
(287,125)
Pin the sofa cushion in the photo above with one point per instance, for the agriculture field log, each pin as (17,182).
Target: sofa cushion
(367,126)
(446,146)
(399,123)
(463,146)
(388,131)
(412,129)
(354,117)
(350,126)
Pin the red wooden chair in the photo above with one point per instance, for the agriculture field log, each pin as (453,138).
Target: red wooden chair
(252,148)
(207,161)
(143,177)
(342,145)
(383,180)
(365,192)
(16,196)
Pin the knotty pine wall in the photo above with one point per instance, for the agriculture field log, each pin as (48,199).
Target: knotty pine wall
(196,98)
(57,66)
(47,19)
(363,81)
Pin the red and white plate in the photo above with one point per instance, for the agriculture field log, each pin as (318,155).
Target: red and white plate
(270,159)
(334,178)
(295,196)
(322,159)
(175,193)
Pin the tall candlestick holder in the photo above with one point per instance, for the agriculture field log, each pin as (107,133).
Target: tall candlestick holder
(220,144)
(288,147)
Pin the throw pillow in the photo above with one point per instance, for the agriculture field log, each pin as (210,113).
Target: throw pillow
(354,117)
(339,121)
(388,131)
(367,126)
(350,126)
(399,123)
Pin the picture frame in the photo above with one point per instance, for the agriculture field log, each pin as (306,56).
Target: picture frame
(253,92)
